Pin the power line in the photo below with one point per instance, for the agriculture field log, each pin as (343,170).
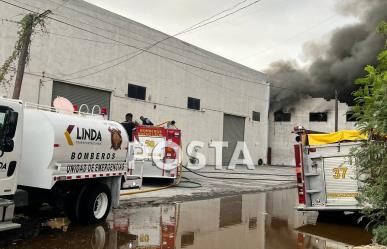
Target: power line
(153,53)
(54,78)
(141,50)
(154,44)
(81,38)
(121,57)
(94,66)
(130,54)
(156,54)
(186,70)
(29,5)
(106,68)
(10,21)
(191,28)
(222,17)
(17,6)
(219,13)
(230,63)
(221,86)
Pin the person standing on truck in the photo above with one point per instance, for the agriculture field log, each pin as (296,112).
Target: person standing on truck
(130,126)
(146,121)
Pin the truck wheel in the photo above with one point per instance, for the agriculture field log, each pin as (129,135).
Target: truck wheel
(71,206)
(95,203)
(99,237)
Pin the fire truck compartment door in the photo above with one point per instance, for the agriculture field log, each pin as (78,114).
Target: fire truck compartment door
(340,179)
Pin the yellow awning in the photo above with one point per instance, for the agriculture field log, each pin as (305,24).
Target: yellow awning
(335,137)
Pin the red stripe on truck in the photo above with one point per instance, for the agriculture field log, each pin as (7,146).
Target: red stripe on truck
(298,155)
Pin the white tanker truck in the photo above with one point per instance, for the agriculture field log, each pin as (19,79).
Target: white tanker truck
(72,161)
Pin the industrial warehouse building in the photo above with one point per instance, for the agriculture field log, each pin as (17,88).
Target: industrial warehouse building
(315,114)
(91,56)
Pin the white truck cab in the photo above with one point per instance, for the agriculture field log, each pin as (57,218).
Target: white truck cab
(73,161)
(10,144)
(10,151)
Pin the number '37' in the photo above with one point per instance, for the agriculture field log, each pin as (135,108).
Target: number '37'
(339,173)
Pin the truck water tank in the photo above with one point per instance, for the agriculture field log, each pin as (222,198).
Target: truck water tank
(63,144)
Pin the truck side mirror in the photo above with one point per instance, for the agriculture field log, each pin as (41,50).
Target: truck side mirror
(10,124)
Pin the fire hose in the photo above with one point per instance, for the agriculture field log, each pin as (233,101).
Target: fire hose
(184,182)
(178,183)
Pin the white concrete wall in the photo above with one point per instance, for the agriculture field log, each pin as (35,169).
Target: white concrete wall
(64,50)
(281,140)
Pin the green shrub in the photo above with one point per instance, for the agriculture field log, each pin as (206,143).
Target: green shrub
(380,234)
(371,160)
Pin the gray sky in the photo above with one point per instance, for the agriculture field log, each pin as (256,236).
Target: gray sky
(265,32)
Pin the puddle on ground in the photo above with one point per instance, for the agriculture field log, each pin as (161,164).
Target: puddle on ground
(264,220)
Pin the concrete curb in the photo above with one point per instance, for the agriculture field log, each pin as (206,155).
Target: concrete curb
(151,201)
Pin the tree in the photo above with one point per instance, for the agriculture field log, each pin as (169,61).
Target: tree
(371,157)
(21,50)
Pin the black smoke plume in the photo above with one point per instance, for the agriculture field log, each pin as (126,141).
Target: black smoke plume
(335,65)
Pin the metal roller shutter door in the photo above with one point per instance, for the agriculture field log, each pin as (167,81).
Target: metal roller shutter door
(233,131)
(79,95)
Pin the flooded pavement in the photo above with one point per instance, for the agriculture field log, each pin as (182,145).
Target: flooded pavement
(262,220)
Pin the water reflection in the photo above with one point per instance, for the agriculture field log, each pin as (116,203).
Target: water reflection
(154,227)
(264,220)
(93,237)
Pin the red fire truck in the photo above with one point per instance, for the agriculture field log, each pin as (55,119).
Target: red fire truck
(157,154)
(152,227)
(326,177)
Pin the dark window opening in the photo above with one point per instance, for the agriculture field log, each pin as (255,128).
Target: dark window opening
(136,92)
(280,116)
(230,213)
(256,116)
(187,239)
(318,116)
(350,117)
(193,103)
(253,223)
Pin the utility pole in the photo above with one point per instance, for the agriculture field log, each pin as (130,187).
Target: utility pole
(23,58)
(336,110)
(30,21)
